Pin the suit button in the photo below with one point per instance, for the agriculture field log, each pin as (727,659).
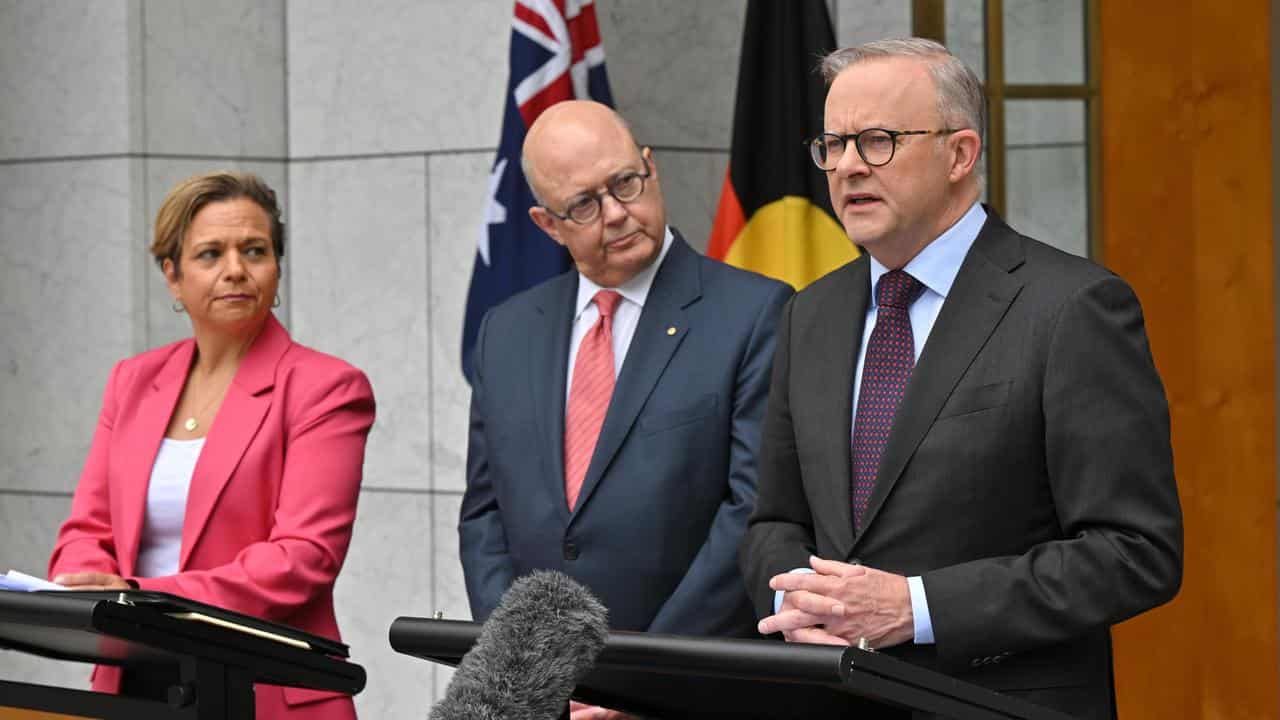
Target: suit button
(570,551)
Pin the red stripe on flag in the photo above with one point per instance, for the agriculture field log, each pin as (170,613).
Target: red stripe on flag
(560,89)
(533,19)
(729,221)
(584,33)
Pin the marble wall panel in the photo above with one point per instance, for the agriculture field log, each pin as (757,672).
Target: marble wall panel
(966,33)
(358,279)
(416,76)
(860,21)
(1048,196)
(1041,122)
(450,589)
(163,325)
(691,183)
(1044,41)
(65,76)
(215,77)
(387,574)
(458,184)
(28,526)
(66,295)
(673,68)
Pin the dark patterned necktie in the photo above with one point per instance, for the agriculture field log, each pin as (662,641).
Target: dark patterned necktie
(885,371)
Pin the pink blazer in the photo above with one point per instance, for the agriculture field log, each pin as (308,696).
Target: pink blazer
(271,501)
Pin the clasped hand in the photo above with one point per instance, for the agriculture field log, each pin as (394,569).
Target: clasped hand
(839,604)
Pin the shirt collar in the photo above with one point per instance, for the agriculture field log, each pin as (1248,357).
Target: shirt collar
(937,265)
(635,290)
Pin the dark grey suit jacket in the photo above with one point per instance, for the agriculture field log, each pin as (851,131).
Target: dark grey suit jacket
(1028,477)
(665,501)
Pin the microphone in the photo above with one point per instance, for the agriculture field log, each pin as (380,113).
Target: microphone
(543,638)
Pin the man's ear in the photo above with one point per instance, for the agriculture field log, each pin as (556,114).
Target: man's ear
(647,152)
(545,222)
(966,148)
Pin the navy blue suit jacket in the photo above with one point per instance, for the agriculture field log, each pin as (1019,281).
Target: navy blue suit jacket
(666,499)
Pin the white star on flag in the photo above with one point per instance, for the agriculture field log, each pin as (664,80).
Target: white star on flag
(495,213)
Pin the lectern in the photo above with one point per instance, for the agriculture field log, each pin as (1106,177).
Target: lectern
(673,677)
(218,654)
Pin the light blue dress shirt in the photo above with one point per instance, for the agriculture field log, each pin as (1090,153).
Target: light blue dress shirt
(935,267)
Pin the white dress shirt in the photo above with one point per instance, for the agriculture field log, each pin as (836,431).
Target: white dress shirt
(625,318)
(936,268)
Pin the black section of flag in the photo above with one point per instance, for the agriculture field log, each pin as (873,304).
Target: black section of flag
(779,103)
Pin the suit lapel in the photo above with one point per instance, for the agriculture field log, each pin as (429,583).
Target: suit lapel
(675,286)
(832,388)
(237,422)
(548,367)
(142,446)
(981,295)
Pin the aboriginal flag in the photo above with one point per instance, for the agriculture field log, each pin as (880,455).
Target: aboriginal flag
(775,212)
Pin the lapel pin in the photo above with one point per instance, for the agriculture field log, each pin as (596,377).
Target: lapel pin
(671,330)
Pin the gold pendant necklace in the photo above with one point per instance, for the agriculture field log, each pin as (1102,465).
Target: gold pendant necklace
(191,423)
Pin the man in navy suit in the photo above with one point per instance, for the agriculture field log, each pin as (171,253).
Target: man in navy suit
(616,409)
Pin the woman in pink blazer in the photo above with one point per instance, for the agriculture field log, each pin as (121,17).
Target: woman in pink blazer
(225,468)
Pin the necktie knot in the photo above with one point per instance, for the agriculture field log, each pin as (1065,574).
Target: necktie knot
(896,289)
(607,302)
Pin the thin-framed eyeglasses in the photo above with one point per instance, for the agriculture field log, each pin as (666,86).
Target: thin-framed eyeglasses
(876,146)
(624,188)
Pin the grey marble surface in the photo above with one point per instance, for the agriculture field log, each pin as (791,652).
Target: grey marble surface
(1044,41)
(65,311)
(387,574)
(673,68)
(215,77)
(1048,196)
(457,189)
(859,21)
(967,32)
(1042,122)
(450,591)
(395,75)
(358,277)
(691,184)
(68,78)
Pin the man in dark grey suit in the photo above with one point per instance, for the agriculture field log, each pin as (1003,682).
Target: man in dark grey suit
(966,458)
(639,487)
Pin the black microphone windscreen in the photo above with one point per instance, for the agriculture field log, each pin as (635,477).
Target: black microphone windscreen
(543,638)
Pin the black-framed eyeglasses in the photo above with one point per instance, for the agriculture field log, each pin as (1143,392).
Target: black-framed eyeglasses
(876,146)
(624,188)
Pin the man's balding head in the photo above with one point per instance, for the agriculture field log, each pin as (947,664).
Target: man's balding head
(579,150)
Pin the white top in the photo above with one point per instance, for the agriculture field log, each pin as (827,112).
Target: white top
(166,507)
(625,318)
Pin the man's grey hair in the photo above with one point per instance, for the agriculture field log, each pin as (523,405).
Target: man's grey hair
(526,167)
(960,99)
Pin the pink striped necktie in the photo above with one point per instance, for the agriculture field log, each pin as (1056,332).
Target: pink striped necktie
(890,358)
(589,395)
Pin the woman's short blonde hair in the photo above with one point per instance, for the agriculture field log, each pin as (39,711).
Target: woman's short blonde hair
(189,196)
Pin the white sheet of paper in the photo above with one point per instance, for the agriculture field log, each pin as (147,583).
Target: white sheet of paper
(14,580)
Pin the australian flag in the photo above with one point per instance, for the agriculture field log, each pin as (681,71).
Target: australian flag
(555,55)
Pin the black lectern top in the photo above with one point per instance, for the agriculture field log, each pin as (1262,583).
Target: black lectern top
(151,628)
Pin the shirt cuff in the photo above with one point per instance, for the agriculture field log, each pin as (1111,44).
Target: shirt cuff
(920,611)
(777,594)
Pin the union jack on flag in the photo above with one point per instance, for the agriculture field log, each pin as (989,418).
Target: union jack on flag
(555,55)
